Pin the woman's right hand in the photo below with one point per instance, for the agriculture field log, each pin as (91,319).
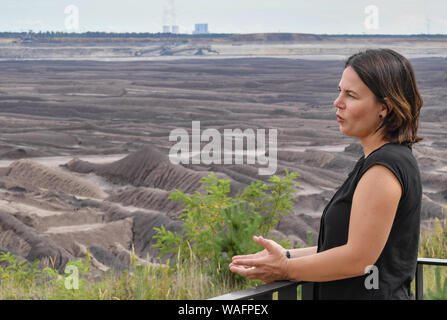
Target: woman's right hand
(256,255)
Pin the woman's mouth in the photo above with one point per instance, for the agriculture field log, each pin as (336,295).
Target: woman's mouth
(339,119)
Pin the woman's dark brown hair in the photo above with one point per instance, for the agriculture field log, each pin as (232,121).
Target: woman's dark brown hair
(390,75)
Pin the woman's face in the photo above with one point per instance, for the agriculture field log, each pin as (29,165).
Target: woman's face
(357,107)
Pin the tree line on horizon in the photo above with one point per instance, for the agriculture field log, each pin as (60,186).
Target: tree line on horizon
(48,35)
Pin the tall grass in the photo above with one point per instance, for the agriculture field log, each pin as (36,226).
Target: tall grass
(434,245)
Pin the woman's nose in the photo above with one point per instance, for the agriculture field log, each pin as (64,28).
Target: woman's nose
(338,103)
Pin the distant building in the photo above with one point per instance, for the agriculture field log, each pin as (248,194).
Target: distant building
(201,28)
(171,29)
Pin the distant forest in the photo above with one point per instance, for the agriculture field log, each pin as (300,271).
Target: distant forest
(92,34)
(49,35)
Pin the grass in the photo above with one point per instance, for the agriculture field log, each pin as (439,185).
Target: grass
(182,281)
(434,245)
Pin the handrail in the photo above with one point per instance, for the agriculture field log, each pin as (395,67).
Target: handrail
(433,261)
(287,290)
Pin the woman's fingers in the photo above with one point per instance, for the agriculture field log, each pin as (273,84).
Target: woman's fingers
(251,256)
(262,265)
(247,256)
(249,262)
(253,260)
(250,273)
(245,271)
(269,245)
(252,265)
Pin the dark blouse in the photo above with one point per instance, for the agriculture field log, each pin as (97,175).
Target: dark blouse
(396,265)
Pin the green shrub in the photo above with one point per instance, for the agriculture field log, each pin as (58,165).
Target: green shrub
(217,227)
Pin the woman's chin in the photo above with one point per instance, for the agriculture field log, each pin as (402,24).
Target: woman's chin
(344,131)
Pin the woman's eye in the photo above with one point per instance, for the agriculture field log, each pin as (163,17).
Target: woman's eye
(349,95)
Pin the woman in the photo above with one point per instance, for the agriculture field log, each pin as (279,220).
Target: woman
(369,231)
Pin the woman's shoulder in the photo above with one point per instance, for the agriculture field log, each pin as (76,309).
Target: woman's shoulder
(396,157)
(394,153)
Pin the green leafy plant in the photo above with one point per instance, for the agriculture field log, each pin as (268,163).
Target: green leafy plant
(217,227)
(27,273)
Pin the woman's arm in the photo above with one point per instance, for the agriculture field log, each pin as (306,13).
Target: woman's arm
(301,252)
(373,209)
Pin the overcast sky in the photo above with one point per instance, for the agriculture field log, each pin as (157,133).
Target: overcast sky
(228,16)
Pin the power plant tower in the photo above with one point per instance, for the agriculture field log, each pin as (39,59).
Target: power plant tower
(169,17)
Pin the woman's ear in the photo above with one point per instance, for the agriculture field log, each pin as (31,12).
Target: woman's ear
(385,107)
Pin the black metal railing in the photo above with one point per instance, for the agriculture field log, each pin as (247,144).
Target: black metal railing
(288,290)
(419,279)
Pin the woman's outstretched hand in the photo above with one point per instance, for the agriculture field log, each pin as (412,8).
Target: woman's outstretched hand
(267,265)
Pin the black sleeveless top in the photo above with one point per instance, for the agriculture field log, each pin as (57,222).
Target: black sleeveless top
(396,264)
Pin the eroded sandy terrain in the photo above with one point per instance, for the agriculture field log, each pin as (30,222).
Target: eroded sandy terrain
(84,145)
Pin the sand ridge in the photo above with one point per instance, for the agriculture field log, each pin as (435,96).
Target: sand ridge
(28,171)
